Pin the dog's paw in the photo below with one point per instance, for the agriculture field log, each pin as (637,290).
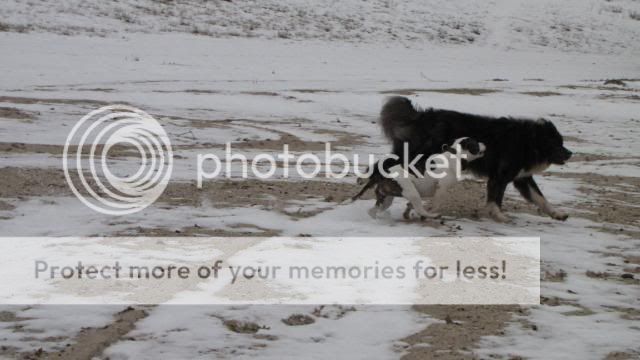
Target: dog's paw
(496,214)
(429,215)
(559,215)
(499,217)
(434,216)
(373,212)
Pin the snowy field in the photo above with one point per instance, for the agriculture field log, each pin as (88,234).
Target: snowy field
(261,74)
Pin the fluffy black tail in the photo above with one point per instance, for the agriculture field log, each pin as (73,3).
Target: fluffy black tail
(398,119)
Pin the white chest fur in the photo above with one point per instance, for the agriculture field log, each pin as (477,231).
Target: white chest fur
(537,169)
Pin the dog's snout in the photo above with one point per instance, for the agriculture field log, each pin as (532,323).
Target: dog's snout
(482,148)
(567,153)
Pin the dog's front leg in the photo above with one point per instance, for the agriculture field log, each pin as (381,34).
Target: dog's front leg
(495,194)
(410,193)
(529,189)
(407,211)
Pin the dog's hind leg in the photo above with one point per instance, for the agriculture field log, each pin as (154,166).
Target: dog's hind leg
(380,206)
(407,211)
(383,202)
(410,193)
(529,190)
(495,194)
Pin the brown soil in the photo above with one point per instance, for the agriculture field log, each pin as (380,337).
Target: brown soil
(243,327)
(272,194)
(282,137)
(13,113)
(298,320)
(611,199)
(620,97)
(576,157)
(30,100)
(22,182)
(576,140)
(197,230)
(621,355)
(297,144)
(598,87)
(116,151)
(541,93)
(313,91)
(90,342)
(460,332)
(6,206)
(457,91)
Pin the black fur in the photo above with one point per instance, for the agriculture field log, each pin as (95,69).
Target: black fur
(513,146)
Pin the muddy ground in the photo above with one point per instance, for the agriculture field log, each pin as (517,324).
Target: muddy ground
(610,201)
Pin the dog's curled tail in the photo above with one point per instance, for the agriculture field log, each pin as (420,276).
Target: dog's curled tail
(372,180)
(397,117)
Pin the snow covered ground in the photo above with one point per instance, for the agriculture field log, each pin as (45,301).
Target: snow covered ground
(258,73)
(576,25)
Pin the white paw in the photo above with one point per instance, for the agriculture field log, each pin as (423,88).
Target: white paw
(430,215)
(497,214)
(559,215)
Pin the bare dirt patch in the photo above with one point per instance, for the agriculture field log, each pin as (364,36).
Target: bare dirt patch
(577,157)
(619,97)
(622,355)
(610,199)
(541,93)
(6,206)
(243,327)
(460,331)
(456,91)
(23,182)
(90,342)
(295,143)
(14,113)
(281,137)
(273,195)
(30,100)
(600,87)
(250,192)
(104,90)
(117,151)
(298,320)
(243,230)
(313,91)
(273,94)
(575,140)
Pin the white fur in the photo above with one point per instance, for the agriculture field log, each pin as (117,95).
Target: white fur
(414,188)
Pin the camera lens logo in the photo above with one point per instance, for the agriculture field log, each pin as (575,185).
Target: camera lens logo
(109,184)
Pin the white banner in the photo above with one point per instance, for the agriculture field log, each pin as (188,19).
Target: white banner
(270,270)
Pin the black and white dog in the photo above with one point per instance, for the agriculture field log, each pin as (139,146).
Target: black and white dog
(516,148)
(428,183)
